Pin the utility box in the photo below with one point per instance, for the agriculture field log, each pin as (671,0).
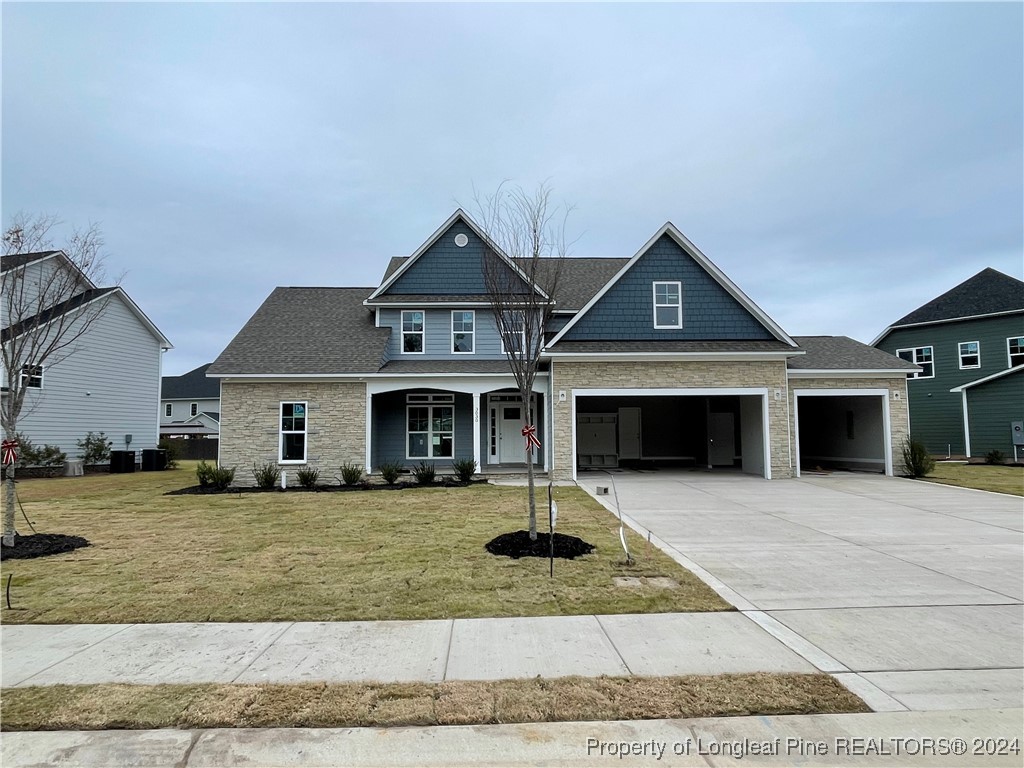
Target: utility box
(154,460)
(122,462)
(1017,430)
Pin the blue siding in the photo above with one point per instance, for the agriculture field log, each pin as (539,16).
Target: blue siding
(626,312)
(445,268)
(437,336)
(389,429)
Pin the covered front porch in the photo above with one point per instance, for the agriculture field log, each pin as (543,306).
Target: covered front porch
(442,421)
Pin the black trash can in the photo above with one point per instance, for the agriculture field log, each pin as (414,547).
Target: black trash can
(122,461)
(154,459)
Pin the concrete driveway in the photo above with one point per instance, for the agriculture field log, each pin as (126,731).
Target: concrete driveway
(910,592)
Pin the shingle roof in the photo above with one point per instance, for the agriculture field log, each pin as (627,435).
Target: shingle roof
(193,384)
(53,312)
(307,330)
(598,347)
(446,366)
(15,260)
(826,353)
(988,292)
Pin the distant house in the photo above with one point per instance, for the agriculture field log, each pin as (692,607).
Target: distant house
(111,381)
(969,344)
(649,361)
(190,404)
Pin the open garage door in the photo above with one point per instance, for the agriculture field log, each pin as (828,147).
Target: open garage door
(842,429)
(661,429)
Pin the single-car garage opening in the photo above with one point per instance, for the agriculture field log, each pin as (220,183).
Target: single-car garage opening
(647,431)
(842,431)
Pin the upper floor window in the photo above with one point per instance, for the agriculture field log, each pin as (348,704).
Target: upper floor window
(32,376)
(921,356)
(513,334)
(463,334)
(412,331)
(970,354)
(168,409)
(668,304)
(193,409)
(293,433)
(1015,350)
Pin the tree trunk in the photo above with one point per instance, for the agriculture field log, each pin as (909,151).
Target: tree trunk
(532,493)
(9,509)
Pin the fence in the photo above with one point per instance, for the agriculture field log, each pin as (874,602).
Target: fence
(193,449)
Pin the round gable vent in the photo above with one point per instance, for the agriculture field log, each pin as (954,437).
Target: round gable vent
(461,240)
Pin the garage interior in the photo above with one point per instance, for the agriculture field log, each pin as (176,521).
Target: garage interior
(843,432)
(651,431)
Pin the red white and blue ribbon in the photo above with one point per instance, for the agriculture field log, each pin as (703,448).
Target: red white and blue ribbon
(530,433)
(10,452)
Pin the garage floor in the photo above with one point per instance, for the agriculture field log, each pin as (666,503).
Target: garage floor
(910,591)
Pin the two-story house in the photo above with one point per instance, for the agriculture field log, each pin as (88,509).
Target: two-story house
(658,359)
(107,381)
(969,344)
(190,404)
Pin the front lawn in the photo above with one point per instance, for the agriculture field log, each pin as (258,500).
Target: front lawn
(984,477)
(296,556)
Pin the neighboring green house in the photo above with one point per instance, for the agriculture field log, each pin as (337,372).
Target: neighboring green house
(969,343)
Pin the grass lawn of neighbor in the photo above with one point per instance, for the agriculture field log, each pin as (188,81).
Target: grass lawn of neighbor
(416,553)
(984,477)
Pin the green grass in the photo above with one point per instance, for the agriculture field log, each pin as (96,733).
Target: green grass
(536,700)
(984,477)
(411,554)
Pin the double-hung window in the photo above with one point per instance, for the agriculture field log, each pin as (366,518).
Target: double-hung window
(513,334)
(668,304)
(463,331)
(32,376)
(412,331)
(193,409)
(1015,350)
(293,433)
(970,354)
(168,409)
(921,356)
(430,426)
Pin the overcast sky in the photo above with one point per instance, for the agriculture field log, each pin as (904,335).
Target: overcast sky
(842,163)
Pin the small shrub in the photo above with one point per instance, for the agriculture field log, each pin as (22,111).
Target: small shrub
(95,448)
(308,477)
(465,469)
(390,470)
(351,474)
(267,476)
(222,477)
(172,452)
(204,474)
(424,473)
(917,462)
(995,457)
(30,456)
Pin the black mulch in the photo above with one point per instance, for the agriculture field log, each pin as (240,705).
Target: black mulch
(41,545)
(518,544)
(200,490)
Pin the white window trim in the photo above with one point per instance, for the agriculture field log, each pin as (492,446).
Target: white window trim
(193,409)
(471,333)
(402,332)
(960,355)
(914,375)
(678,305)
(168,410)
(26,377)
(1009,357)
(281,432)
(430,405)
(522,341)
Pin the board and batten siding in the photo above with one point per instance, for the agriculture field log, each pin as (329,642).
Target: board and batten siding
(993,406)
(936,414)
(110,384)
(181,408)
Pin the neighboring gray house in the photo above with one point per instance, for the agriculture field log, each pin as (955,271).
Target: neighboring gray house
(190,404)
(659,359)
(111,381)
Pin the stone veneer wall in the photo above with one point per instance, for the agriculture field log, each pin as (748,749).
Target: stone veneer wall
(570,376)
(899,413)
(249,418)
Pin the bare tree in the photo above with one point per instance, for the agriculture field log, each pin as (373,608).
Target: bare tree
(50,301)
(524,251)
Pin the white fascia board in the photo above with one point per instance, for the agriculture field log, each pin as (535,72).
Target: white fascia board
(892,328)
(838,373)
(431,304)
(709,266)
(459,214)
(991,377)
(358,376)
(619,356)
(150,325)
(68,262)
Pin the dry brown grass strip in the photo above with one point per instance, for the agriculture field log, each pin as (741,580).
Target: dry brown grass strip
(537,700)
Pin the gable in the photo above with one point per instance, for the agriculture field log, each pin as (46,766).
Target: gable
(625,311)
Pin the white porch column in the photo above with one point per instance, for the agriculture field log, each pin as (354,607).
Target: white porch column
(369,428)
(476,431)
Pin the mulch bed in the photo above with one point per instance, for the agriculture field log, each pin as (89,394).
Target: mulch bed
(202,491)
(518,544)
(41,545)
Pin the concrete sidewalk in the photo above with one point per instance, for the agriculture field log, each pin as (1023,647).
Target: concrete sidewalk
(948,738)
(392,651)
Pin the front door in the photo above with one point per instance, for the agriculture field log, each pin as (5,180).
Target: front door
(510,433)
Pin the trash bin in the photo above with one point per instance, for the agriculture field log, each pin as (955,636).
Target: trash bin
(122,461)
(154,459)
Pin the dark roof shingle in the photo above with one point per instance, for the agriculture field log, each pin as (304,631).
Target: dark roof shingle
(725,345)
(16,260)
(827,353)
(192,384)
(988,292)
(53,312)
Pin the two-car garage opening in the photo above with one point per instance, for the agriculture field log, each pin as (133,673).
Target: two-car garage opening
(716,431)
